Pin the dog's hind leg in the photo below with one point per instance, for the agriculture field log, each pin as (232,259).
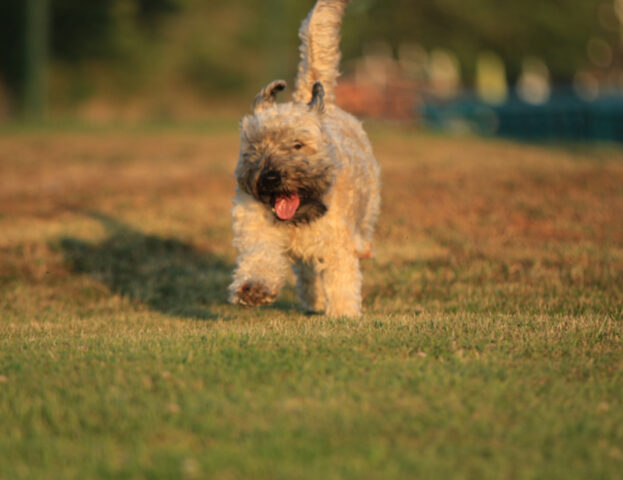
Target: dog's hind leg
(309,285)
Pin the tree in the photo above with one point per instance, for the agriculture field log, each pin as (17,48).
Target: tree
(36,57)
(33,32)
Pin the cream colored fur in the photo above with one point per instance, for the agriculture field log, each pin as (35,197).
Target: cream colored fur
(320,49)
(323,154)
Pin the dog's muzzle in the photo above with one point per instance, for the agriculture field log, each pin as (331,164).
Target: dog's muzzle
(269,180)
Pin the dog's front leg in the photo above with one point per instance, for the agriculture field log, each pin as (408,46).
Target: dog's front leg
(341,278)
(262,265)
(259,276)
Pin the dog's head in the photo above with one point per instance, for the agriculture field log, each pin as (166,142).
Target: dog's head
(285,159)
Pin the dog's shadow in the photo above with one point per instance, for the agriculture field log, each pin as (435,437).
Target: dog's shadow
(165,274)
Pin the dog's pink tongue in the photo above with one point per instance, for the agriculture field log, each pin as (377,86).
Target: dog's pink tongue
(285,207)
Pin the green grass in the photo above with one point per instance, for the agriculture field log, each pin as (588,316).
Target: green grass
(491,345)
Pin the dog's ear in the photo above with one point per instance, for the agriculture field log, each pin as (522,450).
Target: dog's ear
(317,101)
(267,96)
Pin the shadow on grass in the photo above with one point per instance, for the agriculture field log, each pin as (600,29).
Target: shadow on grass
(165,274)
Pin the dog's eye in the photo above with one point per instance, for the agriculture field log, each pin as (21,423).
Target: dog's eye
(298,146)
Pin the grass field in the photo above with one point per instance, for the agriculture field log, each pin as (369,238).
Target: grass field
(491,345)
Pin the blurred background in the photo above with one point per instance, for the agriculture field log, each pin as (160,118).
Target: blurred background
(530,69)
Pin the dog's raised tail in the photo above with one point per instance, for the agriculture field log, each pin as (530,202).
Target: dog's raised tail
(320,50)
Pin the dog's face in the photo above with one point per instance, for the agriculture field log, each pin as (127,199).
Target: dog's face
(285,161)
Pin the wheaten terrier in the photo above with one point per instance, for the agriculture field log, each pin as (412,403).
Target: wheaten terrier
(308,184)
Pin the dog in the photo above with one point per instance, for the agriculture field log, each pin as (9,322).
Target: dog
(308,185)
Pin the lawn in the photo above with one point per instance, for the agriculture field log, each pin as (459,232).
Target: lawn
(491,345)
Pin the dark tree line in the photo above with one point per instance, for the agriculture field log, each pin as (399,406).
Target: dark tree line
(78,31)
(555,30)
(33,31)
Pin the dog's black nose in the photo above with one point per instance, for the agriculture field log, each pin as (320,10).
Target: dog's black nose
(270,179)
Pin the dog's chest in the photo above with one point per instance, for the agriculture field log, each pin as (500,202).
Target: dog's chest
(309,242)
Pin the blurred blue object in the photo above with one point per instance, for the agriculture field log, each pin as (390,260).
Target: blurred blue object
(565,116)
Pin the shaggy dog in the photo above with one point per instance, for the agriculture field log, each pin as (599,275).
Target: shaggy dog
(308,184)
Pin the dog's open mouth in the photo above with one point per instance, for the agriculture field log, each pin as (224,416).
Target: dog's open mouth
(285,206)
(294,208)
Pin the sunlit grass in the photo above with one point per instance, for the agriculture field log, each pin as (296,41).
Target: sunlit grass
(491,345)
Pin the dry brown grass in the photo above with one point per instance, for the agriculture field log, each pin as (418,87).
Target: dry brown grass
(490,345)
(460,213)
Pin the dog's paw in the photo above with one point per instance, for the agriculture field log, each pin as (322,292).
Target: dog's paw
(343,311)
(364,249)
(252,294)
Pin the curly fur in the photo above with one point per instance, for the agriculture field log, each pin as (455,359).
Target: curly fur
(313,150)
(320,52)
